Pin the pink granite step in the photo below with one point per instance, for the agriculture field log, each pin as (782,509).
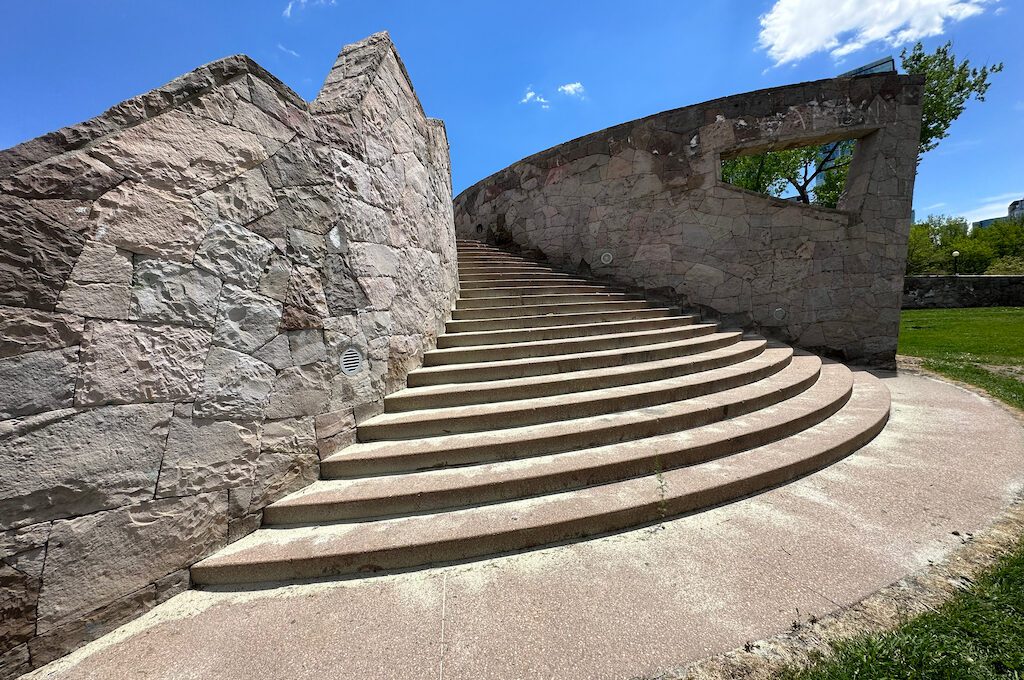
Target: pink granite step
(330,550)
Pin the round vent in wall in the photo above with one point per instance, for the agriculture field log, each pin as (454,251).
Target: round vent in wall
(351,361)
(606,257)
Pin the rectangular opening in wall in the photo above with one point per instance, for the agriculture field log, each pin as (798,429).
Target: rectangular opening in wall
(813,174)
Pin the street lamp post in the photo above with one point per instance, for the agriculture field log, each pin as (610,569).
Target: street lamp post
(956,261)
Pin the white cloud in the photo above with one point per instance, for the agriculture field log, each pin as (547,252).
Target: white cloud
(795,29)
(288,51)
(991,206)
(532,96)
(301,4)
(572,89)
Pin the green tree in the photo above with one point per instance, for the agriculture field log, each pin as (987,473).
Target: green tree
(948,87)
(922,252)
(975,256)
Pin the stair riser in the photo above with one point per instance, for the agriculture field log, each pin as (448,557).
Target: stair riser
(562,480)
(656,509)
(526,448)
(463,397)
(568,346)
(538,310)
(493,283)
(470,339)
(481,297)
(519,417)
(460,373)
(469,325)
(531,274)
(465,304)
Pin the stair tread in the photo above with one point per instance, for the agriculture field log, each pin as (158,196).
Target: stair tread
(441,354)
(685,343)
(714,378)
(583,328)
(309,552)
(408,452)
(579,379)
(820,400)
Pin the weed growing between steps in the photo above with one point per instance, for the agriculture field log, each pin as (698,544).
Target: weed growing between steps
(982,347)
(977,634)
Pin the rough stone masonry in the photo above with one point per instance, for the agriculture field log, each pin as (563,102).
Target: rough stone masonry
(179,278)
(642,205)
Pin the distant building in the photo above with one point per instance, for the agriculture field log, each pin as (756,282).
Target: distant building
(884,65)
(1014,211)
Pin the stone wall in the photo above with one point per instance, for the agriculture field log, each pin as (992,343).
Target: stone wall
(643,205)
(179,278)
(934,292)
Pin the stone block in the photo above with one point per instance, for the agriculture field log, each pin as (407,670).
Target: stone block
(37,382)
(205,455)
(149,221)
(103,557)
(171,292)
(301,391)
(73,462)
(280,473)
(246,320)
(37,256)
(242,200)
(18,595)
(235,254)
(125,362)
(292,435)
(305,304)
(70,175)
(181,153)
(235,385)
(103,263)
(29,330)
(95,300)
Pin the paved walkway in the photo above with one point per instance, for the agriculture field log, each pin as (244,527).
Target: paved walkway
(619,606)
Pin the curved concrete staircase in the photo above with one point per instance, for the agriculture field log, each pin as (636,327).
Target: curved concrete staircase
(553,409)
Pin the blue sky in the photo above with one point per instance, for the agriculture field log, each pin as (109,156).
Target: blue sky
(588,64)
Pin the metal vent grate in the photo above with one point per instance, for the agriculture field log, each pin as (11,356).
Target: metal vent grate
(351,361)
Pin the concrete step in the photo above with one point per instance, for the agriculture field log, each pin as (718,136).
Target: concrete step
(436,396)
(587,343)
(335,549)
(570,319)
(433,490)
(561,363)
(517,273)
(472,295)
(597,295)
(517,282)
(389,457)
(470,338)
(547,309)
(429,422)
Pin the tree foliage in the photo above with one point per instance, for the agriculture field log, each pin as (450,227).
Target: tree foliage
(995,249)
(947,88)
(818,174)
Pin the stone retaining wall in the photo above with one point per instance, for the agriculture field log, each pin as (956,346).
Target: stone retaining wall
(179,279)
(932,292)
(642,205)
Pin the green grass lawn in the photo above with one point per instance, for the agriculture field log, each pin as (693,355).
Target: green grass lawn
(983,347)
(980,632)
